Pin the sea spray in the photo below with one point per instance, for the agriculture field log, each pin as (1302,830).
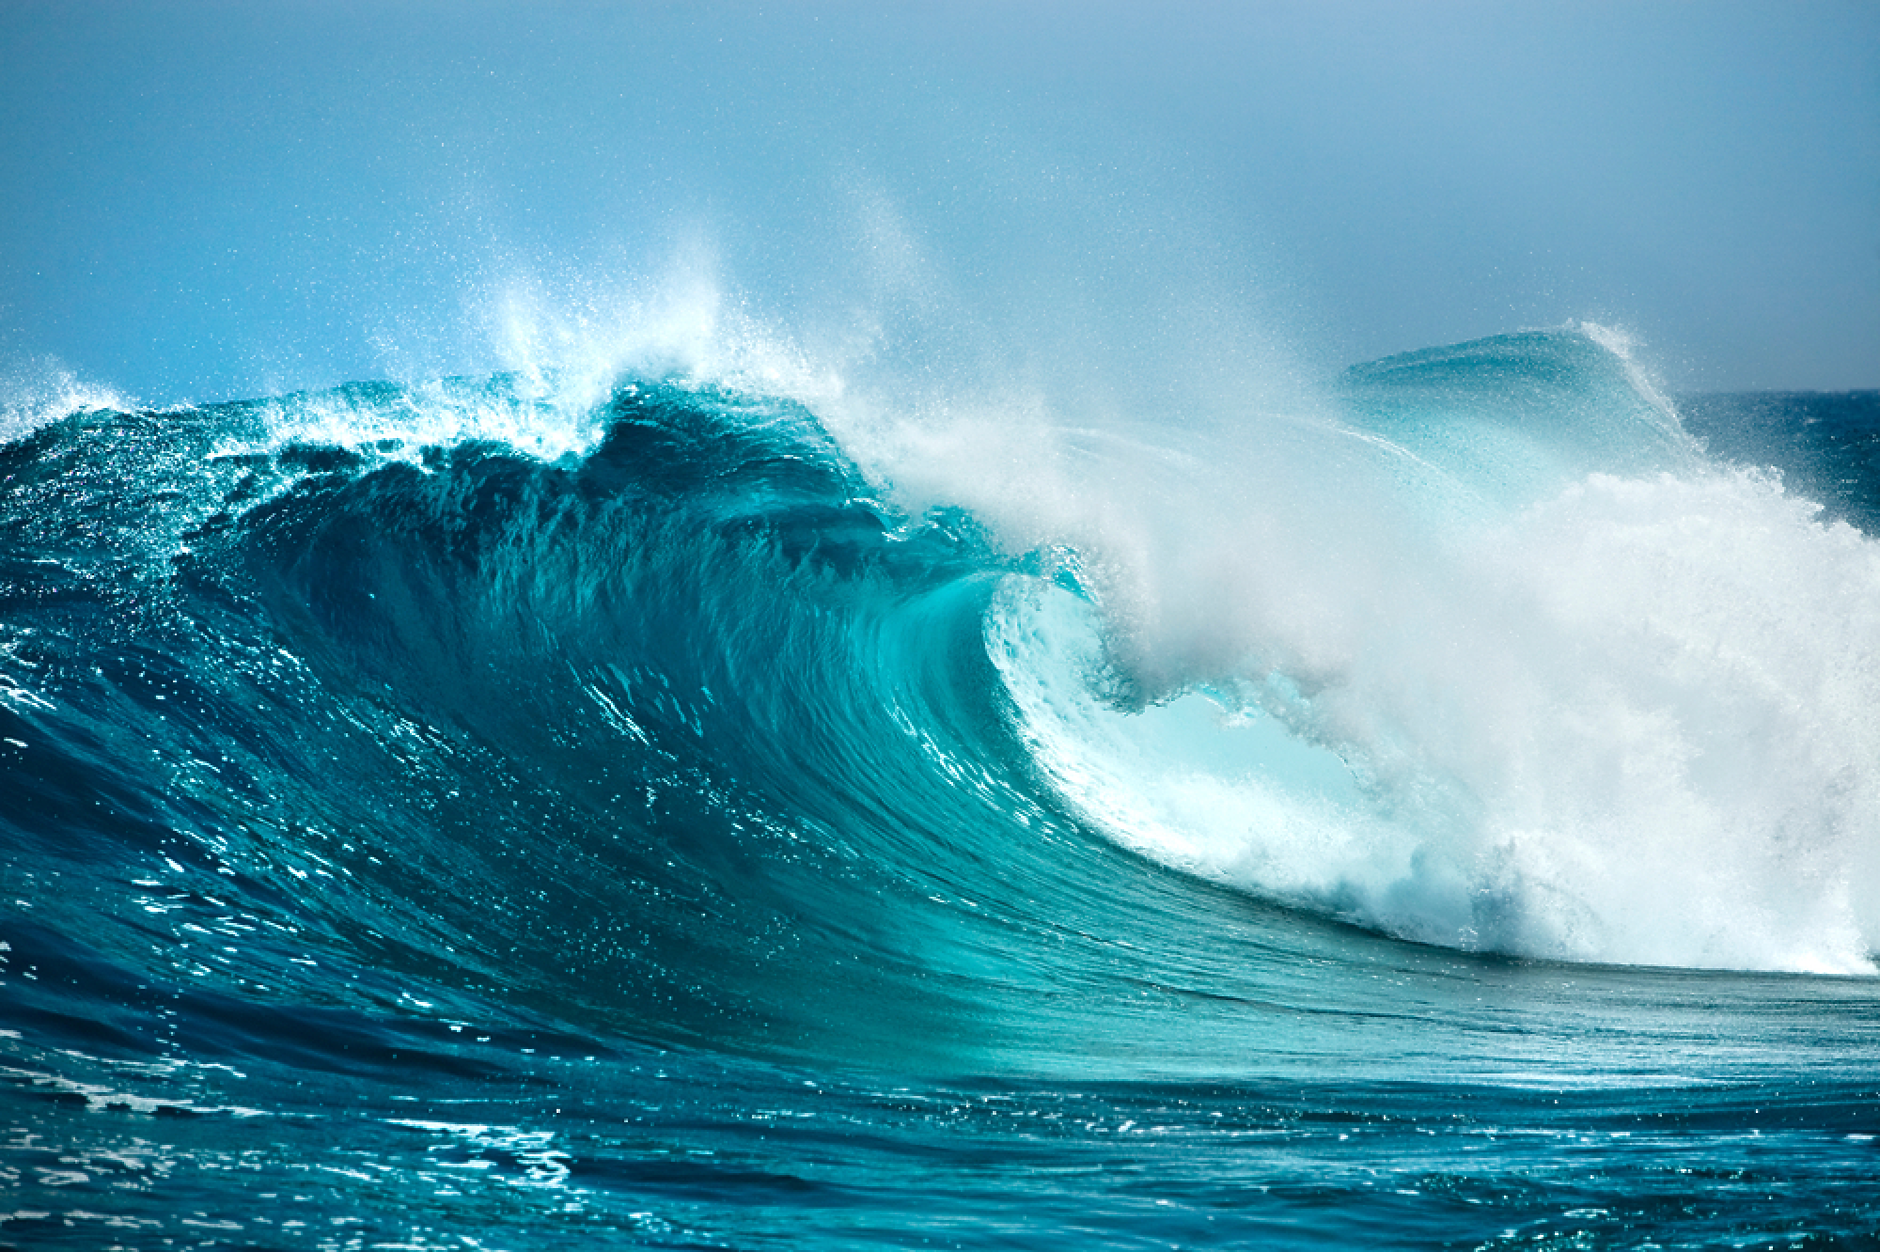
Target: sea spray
(1504,700)
(36,391)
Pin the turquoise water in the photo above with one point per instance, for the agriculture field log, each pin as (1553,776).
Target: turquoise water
(1436,812)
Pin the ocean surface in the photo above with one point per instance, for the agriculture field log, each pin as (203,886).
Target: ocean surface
(1441,810)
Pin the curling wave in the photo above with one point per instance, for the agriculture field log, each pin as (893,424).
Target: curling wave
(667,717)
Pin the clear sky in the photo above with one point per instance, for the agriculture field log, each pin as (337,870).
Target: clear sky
(215,199)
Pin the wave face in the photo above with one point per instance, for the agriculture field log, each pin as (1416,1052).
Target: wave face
(691,818)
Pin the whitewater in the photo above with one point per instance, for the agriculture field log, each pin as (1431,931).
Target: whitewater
(706,794)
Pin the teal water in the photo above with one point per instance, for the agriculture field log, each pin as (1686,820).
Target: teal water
(1439,815)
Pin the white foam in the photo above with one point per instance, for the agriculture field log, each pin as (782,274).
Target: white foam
(1635,724)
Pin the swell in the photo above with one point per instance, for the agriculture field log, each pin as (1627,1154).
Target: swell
(678,732)
(686,738)
(476,718)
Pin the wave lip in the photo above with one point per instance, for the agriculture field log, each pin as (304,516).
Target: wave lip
(1515,418)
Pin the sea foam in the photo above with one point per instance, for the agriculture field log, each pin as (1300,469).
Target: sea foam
(1628,719)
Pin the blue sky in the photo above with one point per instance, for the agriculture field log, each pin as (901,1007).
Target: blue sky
(215,199)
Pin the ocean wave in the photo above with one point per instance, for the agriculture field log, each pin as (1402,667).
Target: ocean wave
(674,720)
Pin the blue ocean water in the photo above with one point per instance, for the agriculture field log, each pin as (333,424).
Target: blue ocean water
(514,812)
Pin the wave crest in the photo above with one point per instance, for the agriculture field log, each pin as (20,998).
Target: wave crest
(1512,701)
